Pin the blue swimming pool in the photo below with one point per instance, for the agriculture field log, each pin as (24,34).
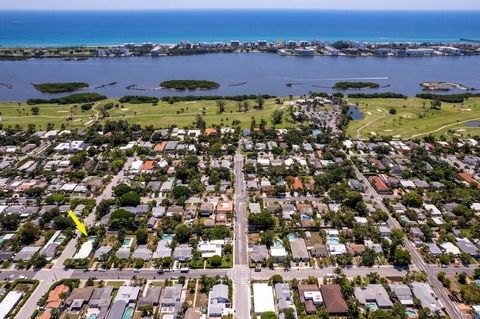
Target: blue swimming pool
(278,243)
(333,240)
(292,236)
(167,237)
(128,313)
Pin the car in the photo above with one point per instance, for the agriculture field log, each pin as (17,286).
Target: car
(161,271)
(137,270)
(184,269)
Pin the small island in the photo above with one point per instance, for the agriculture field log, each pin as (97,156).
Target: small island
(189,85)
(60,87)
(356,85)
(442,86)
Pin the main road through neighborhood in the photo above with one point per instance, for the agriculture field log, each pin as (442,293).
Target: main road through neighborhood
(241,272)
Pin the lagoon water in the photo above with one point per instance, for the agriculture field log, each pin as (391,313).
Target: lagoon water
(263,73)
(60,28)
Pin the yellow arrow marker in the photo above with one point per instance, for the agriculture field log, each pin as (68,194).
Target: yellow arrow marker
(79,224)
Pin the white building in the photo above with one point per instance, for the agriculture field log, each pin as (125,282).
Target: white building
(9,302)
(262,298)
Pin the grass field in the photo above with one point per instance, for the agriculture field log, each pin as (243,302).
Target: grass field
(413,118)
(12,114)
(181,114)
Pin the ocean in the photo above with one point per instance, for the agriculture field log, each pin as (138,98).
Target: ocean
(63,28)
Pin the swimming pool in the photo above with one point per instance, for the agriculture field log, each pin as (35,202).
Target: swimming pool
(278,243)
(92,316)
(167,237)
(128,313)
(292,236)
(411,313)
(306,217)
(59,239)
(371,306)
(127,242)
(333,240)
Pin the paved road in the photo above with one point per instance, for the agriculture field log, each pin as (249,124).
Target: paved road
(241,273)
(417,260)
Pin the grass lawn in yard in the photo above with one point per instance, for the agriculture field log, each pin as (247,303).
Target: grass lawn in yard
(115,283)
(413,118)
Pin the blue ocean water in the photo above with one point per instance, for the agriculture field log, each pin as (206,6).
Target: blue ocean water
(58,28)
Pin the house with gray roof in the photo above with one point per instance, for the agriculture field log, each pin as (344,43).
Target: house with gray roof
(163,250)
(434,250)
(171,299)
(259,253)
(26,253)
(150,297)
(299,250)
(403,293)
(101,251)
(423,292)
(467,247)
(374,293)
(284,297)
(218,300)
(123,253)
(182,253)
(142,252)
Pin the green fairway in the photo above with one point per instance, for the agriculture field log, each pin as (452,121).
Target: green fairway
(413,118)
(181,114)
(12,114)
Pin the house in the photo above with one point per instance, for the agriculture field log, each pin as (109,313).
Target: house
(26,253)
(333,300)
(373,293)
(319,250)
(79,297)
(54,299)
(284,296)
(475,311)
(467,247)
(259,253)
(100,301)
(218,301)
(311,297)
(84,250)
(9,302)
(151,296)
(380,185)
(450,248)
(403,293)
(182,253)
(163,250)
(434,250)
(171,299)
(262,298)
(142,252)
(209,249)
(299,250)
(423,292)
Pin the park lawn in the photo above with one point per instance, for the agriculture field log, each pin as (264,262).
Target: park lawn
(413,119)
(13,113)
(183,114)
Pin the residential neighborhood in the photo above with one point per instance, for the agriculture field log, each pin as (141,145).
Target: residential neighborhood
(231,222)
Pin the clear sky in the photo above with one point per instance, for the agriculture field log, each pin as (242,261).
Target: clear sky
(208,4)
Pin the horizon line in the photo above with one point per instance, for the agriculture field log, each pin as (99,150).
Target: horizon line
(244,9)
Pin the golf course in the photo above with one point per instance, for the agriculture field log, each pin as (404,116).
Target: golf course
(163,114)
(413,118)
